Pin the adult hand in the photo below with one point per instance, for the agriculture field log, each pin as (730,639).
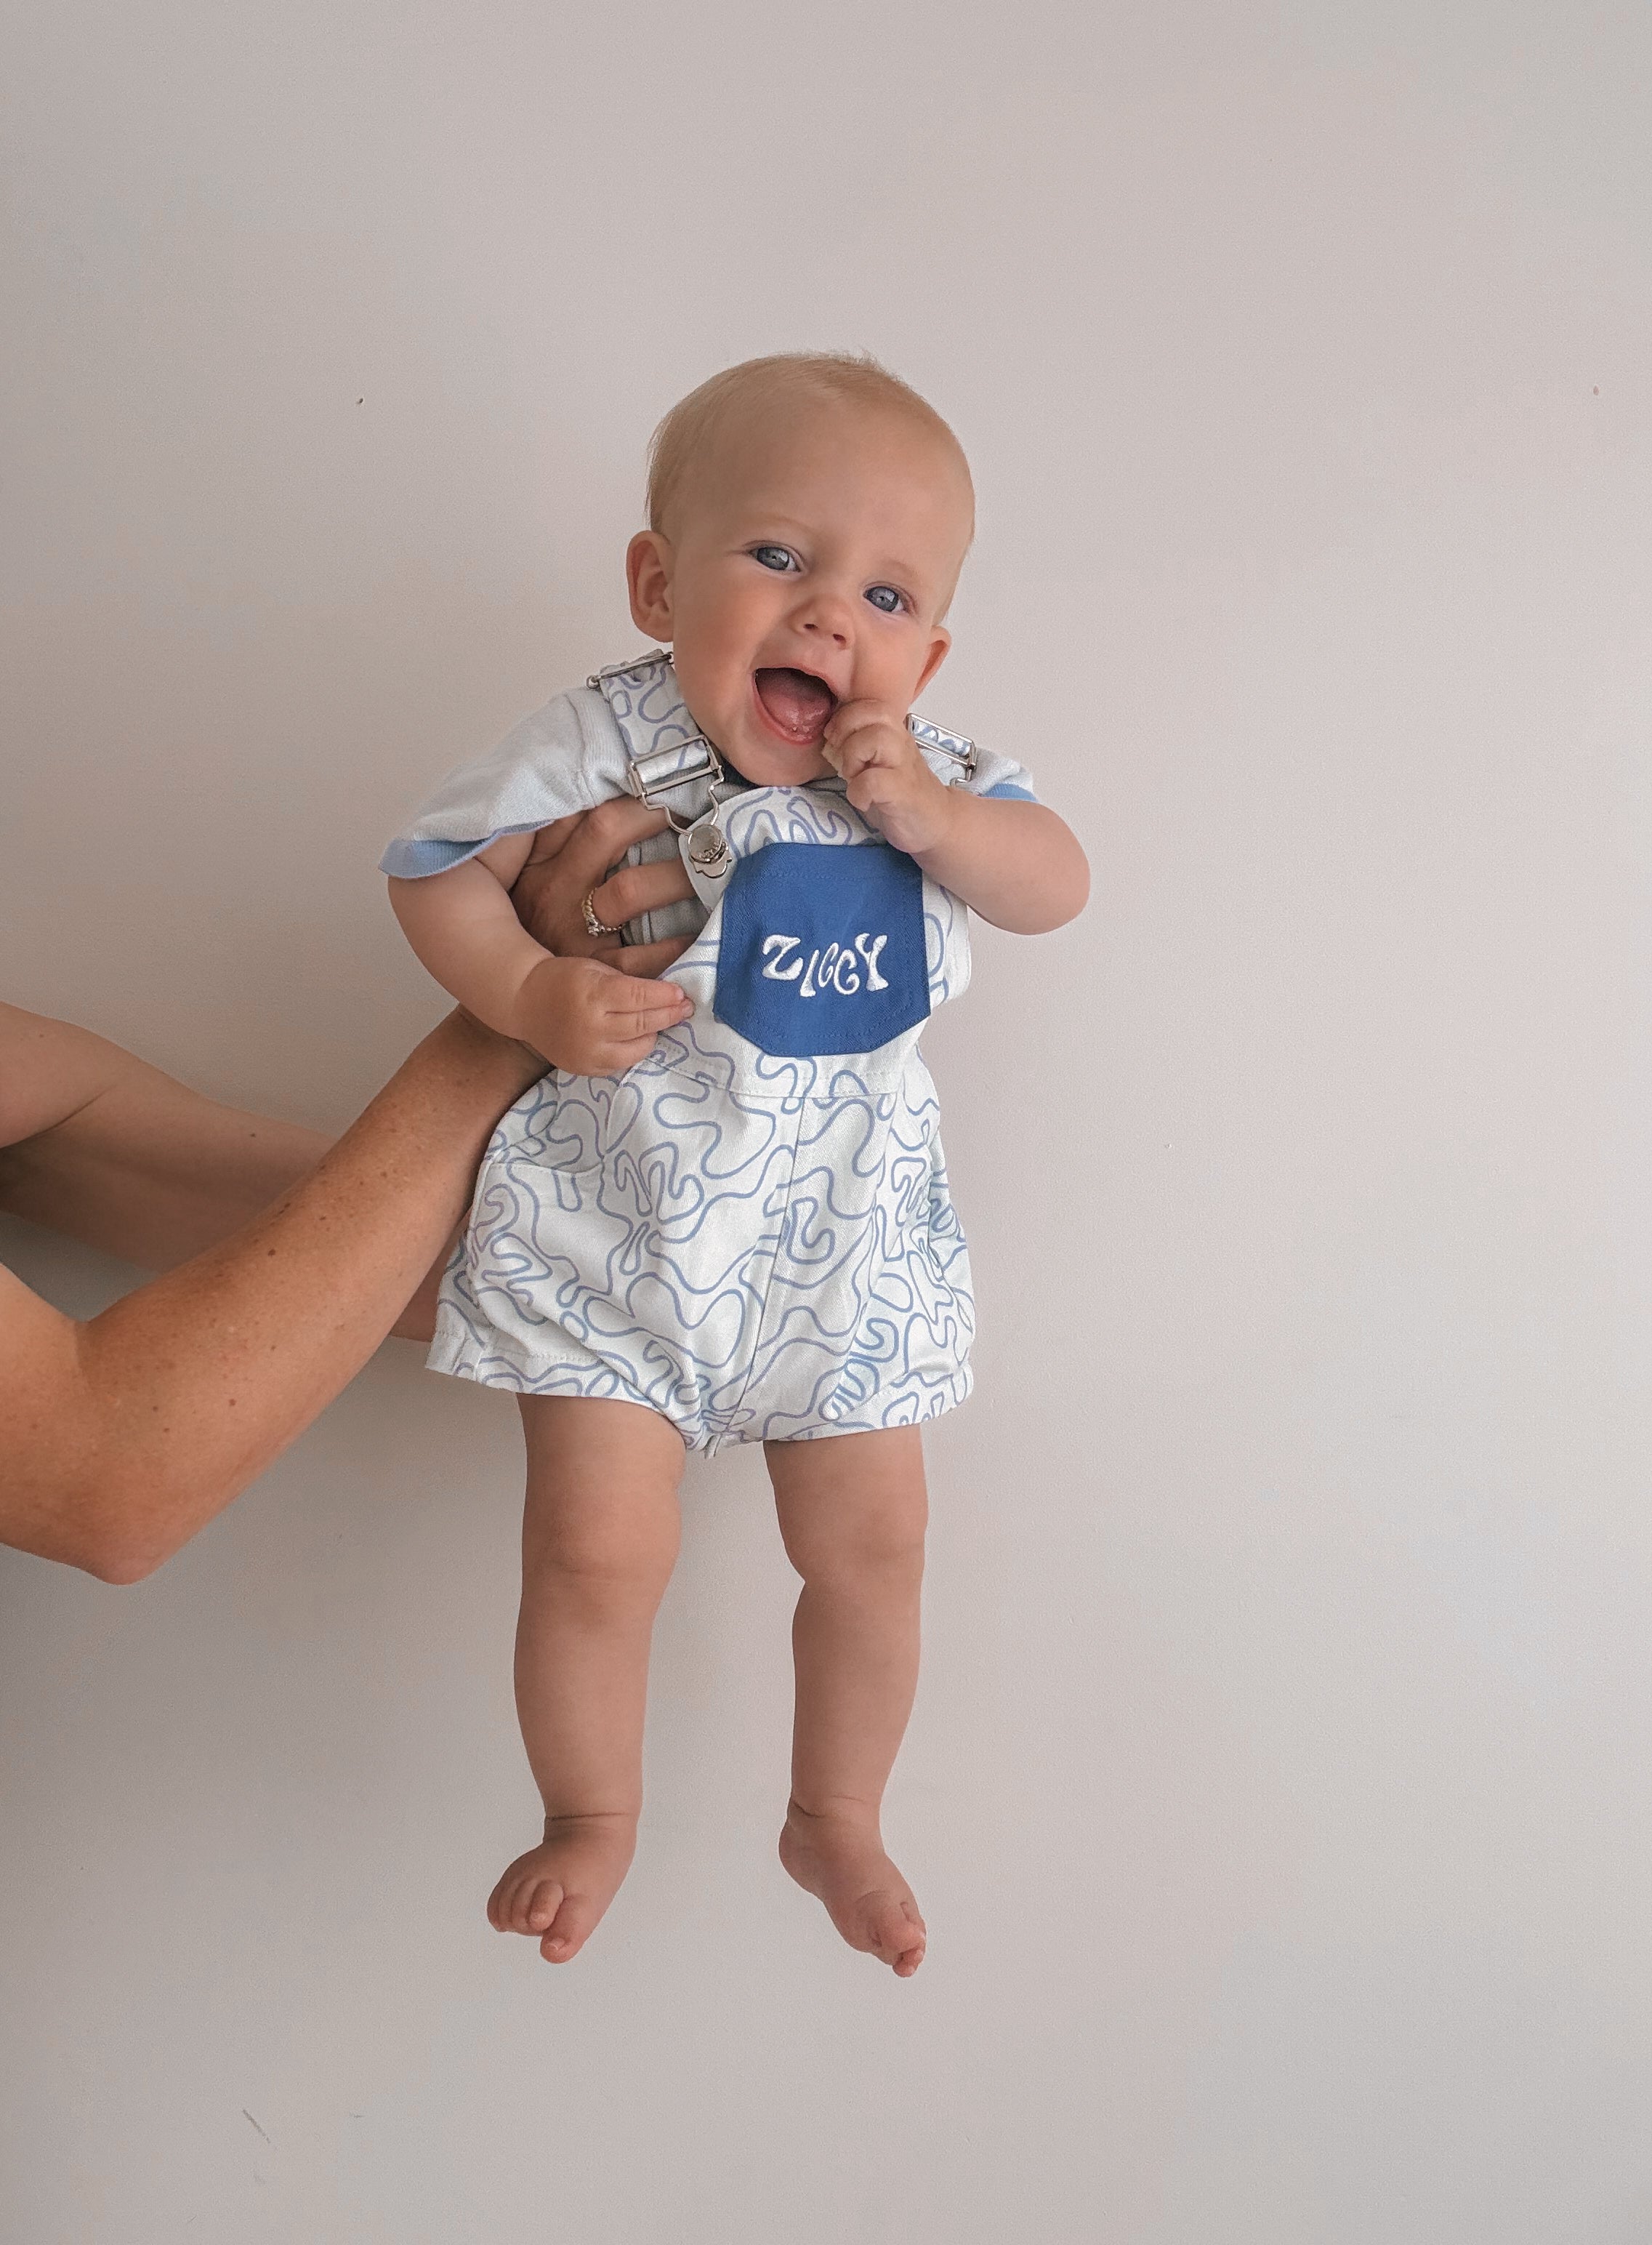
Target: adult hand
(577,858)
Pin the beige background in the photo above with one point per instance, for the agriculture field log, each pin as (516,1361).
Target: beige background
(1278,1788)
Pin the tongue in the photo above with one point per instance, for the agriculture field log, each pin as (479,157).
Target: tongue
(799,704)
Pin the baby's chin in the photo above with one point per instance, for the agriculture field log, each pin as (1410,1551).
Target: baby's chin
(733,720)
(767,764)
(759,756)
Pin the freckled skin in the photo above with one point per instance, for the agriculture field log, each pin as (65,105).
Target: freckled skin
(98,1145)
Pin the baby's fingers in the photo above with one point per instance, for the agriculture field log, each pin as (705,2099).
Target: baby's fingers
(630,1006)
(848,757)
(632,1014)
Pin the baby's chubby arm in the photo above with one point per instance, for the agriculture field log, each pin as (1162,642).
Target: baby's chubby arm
(1016,863)
(580,1014)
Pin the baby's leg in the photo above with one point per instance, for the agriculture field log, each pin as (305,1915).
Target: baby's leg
(599,1539)
(852,1510)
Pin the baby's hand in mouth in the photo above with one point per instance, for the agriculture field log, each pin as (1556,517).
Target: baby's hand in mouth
(867,743)
(859,734)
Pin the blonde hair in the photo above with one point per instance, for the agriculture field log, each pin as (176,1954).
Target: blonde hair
(696,423)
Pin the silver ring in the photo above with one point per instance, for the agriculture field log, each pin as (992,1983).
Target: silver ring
(593,926)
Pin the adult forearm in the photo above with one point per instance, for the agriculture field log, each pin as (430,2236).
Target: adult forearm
(184,1390)
(100,1144)
(153,1172)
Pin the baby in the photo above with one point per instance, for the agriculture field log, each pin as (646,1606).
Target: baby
(737,1229)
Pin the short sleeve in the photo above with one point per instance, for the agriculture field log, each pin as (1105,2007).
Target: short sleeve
(1001,779)
(564,758)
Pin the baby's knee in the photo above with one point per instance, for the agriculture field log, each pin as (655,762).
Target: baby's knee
(603,1564)
(878,1552)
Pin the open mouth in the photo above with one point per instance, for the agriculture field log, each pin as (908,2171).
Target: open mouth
(796,702)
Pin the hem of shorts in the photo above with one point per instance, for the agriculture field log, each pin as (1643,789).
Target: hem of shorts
(455,1356)
(856,1425)
(453,1353)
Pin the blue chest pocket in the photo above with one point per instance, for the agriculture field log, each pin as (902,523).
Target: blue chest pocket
(822,948)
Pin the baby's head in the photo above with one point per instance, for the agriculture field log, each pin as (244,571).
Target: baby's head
(809,515)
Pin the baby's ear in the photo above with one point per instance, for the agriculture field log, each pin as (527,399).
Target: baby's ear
(648,561)
(940,640)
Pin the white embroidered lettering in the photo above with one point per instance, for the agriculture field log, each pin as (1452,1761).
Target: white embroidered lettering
(870,949)
(837,967)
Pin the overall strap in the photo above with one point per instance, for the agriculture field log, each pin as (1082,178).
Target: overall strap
(950,756)
(670,764)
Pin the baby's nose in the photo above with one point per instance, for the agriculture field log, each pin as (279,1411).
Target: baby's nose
(828,620)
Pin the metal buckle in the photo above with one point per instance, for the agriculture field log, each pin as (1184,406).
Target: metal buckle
(681,763)
(929,735)
(662,771)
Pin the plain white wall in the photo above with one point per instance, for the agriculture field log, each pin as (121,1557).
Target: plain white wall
(1277,1793)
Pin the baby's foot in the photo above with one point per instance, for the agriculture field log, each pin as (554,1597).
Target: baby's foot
(558,1890)
(841,1859)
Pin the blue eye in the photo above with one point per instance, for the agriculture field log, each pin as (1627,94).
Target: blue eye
(884,599)
(773,557)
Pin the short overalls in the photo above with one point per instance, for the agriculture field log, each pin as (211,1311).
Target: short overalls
(749,1232)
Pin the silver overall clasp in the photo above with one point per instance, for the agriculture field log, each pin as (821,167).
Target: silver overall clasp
(706,857)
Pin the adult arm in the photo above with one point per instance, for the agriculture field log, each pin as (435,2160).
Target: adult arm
(96,1143)
(122,1437)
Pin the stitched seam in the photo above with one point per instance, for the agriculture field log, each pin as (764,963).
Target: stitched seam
(756,1350)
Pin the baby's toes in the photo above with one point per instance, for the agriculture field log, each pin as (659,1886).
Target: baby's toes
(537,1904)
(896,1933)
(523,1904)
(569,1930)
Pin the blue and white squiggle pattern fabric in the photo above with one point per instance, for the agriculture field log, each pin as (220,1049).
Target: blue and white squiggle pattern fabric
(759,1244)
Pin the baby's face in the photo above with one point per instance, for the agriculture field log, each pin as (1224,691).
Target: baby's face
(808,562)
